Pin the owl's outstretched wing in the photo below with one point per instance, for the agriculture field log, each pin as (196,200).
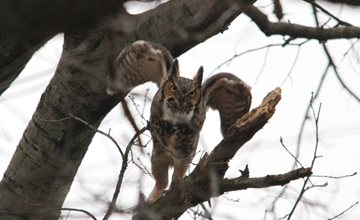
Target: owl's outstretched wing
(138,63)
(229,95)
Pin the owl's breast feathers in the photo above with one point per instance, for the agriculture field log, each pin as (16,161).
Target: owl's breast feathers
(177,133)
(179,139)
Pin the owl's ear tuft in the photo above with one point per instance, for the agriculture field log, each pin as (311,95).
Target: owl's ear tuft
(174,72)
(198,77)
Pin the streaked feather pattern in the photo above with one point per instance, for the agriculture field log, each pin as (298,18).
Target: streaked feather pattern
(229,95)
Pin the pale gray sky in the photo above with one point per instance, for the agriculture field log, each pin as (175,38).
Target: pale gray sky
(263,70)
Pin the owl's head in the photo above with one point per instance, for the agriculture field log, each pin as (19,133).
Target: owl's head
(181,95)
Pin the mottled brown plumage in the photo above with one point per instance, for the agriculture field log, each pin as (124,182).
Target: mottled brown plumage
(229,95)
(179,106)
(177,116)
(138,63)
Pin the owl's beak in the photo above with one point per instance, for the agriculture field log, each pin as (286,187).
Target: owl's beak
(182,100)
(182,104)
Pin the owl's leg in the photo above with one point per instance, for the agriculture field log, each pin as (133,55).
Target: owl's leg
(179,172)
(159,168)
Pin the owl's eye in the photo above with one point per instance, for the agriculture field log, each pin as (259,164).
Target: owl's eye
(173,88)
(192,93)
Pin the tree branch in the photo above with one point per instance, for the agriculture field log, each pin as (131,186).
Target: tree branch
(80,210)
(349,2)
(181,24)
(14,55)
(299,31)
(242,183)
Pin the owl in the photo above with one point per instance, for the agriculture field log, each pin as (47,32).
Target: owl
(177,116)
(178,113)
(178,109)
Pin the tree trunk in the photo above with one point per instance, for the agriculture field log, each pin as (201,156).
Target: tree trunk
(47,158)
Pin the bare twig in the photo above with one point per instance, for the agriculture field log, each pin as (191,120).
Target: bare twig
(80,210)
(316,5)
(141,166)
(337,74)
(300,135)
(207,213)
(316,119)
(139,112)
(131,119)
(99,131)
(292,155)
(52,120)
(263,65)
(336,177)
(267,47)
(292,66)
(353,43)
(306,115)
(145,102)
(316,186)
(122,173)
(343,212)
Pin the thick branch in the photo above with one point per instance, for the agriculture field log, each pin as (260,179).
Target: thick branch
(299,31)
(37,18)
(14,55)
(181,24)
(205,181)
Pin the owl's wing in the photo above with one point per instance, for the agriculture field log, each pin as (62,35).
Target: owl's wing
(138,63)
(229,95)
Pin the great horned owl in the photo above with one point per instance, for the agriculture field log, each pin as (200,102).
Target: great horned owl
(178,113)
(177,116)
(179,106)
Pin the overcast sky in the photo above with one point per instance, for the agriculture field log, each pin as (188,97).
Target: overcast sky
(296,69)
